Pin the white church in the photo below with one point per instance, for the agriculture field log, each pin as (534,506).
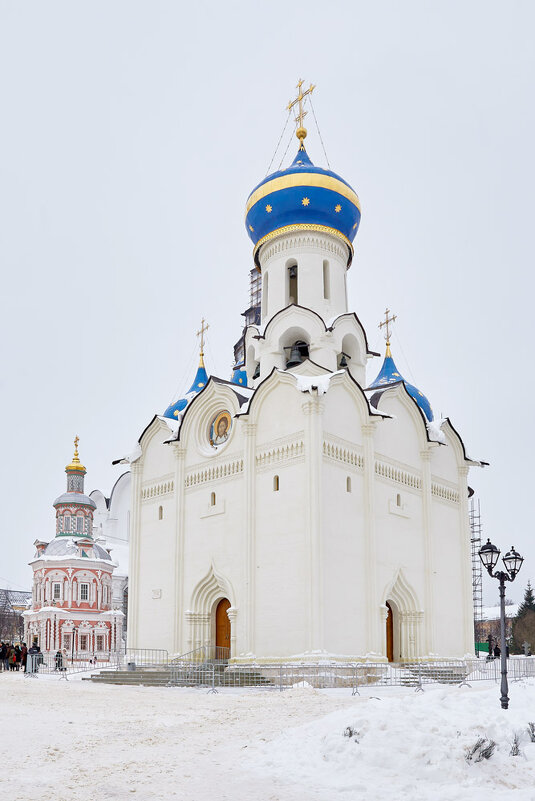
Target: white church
(304,510)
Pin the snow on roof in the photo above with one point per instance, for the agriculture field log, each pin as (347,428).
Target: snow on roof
(493,612)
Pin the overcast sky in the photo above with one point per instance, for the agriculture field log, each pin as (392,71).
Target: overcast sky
(131,135)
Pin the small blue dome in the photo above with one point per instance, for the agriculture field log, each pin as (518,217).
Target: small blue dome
(239,376)
(302,197)
(390,374)
(200,381)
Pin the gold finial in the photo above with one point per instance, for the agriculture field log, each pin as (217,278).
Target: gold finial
(201,335)
(386,324)
(75,464)
(301,131)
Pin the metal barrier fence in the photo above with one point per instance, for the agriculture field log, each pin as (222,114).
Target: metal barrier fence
(62,665)
(351,675)
(144,657)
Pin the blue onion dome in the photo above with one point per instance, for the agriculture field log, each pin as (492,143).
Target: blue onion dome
(239,376)
(389,374)
(302,197)
(199,382)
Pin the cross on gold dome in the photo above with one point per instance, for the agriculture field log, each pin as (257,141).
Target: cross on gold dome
(386,324)
(301,131)
(204,327)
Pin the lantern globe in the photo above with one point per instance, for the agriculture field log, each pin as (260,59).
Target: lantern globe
(489,555)
(513,562)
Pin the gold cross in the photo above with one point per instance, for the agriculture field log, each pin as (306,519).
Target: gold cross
(76,441)
(201,334)
(301,131)
(386,323)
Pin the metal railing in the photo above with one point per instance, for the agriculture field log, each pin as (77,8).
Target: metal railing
(145,658)
(205,653)
(62,665)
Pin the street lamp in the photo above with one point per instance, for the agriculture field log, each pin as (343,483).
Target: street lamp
(512,560)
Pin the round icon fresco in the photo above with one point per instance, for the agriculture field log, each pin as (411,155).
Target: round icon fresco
(220,428)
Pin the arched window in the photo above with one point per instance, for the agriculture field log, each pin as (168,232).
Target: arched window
(265,296)
(160,513)
(348,484)
(398,499)
(293,296)
(67,522)
(275,483)
(326,287)
(212,499)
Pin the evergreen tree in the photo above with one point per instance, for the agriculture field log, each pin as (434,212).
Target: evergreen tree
(528,604)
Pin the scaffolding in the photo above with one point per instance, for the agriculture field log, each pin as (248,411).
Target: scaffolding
(477,569)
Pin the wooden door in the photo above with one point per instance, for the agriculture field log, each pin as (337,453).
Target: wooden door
(222,624)
(389,634)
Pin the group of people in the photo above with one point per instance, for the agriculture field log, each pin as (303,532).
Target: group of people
(12,657)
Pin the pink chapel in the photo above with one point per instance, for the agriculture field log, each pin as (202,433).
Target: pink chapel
(71,608)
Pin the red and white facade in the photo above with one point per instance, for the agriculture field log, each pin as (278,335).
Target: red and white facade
(72,609)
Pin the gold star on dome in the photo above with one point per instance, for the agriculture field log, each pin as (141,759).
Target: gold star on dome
(337,208)
(251,228)
(269,208)
(355,225)
(305,201)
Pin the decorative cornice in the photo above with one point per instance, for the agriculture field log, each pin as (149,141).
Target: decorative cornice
(291,240)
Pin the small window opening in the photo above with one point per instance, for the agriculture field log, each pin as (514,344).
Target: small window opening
(292,284)
(265,296)
(398,499)
(160,513)
(275,483)
(326,288)
(57,592)
(212,499)
(348,484)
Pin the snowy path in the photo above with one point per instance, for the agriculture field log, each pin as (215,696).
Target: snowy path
(78,741)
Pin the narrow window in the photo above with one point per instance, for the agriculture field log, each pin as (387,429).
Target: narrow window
(67,642)
(275,483)
(67,522)
(212,499)
(292,284)
(398,499)
(100,642)
(265,296)
(80,525)
(326,287)
(57,592)
(84,592)
(348,484)
(160,513)
(83,642)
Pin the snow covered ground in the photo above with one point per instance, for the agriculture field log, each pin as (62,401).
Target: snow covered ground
(75,740)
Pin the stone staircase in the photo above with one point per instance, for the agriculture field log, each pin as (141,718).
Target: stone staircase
(190,676)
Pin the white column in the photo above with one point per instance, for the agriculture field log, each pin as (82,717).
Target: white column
(429,566)
(249,477)
(313,411)
(133,580)
(231,613)
(373,609)
(178,628)
(466,562)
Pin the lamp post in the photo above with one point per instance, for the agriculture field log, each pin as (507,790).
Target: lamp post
(512,560)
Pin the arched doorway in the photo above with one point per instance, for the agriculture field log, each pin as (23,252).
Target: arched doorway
(389,633)
(222,628)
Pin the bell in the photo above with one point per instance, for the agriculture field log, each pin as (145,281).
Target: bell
(295,356)
(343,362)
(256,371)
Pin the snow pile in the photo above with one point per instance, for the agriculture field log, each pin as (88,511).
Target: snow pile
(434,429)
(413,747)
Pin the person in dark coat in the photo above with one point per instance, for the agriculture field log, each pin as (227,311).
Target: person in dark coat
(24,656)
(497,651)
(18,656)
